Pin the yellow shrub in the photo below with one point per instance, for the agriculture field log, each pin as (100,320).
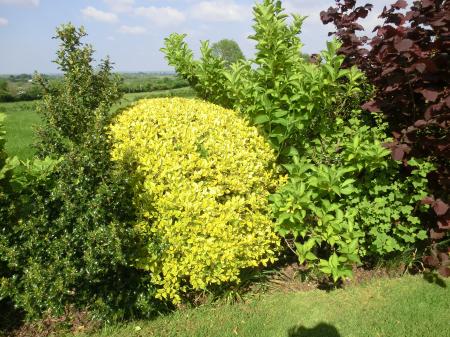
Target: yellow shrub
(203,202)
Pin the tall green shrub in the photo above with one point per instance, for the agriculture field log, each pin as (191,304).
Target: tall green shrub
(290,99)
(78,106)
(206,76)
(345,200)
(74,244)
(6,173)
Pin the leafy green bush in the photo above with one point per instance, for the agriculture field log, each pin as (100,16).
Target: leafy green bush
(77,106)
(206,76)
(74,237)
(6,207)
(345,199)
(7,197)
(203,178)
(7,166)
(3,156)
(290,99)
(5,95)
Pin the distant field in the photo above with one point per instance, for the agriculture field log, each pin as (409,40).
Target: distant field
(143,82)
(17,88)
(22,116)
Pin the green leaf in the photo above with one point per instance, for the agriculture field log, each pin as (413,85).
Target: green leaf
(261,119)
(310,256)
(280,113)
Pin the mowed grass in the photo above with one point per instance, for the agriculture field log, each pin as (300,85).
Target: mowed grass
(402,307)
(21,117)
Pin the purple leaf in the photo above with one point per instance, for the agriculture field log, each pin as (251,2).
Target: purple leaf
(421,67)
(443,257)
(400,4)
(444,271)
(444,223)
(440,207)
(437,235)
(403,45)
(427,201)
(398,153)
(429,95)
(419,123)
(427,3)
(431,261)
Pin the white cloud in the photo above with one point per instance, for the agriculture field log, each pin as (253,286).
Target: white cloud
(161,16)
(31,3)
(110,38)
(98,15)
(220,11)
(120,6)
(3,22)
(132,30)
(307,8)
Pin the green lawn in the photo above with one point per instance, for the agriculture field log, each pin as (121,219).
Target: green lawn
(22,116)
(403,307)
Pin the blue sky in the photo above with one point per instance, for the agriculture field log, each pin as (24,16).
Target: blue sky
(131,32)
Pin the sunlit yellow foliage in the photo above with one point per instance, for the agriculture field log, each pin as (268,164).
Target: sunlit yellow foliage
(206,176)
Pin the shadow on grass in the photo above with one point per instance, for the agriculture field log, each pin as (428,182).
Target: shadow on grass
(434,278)
(320,330)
